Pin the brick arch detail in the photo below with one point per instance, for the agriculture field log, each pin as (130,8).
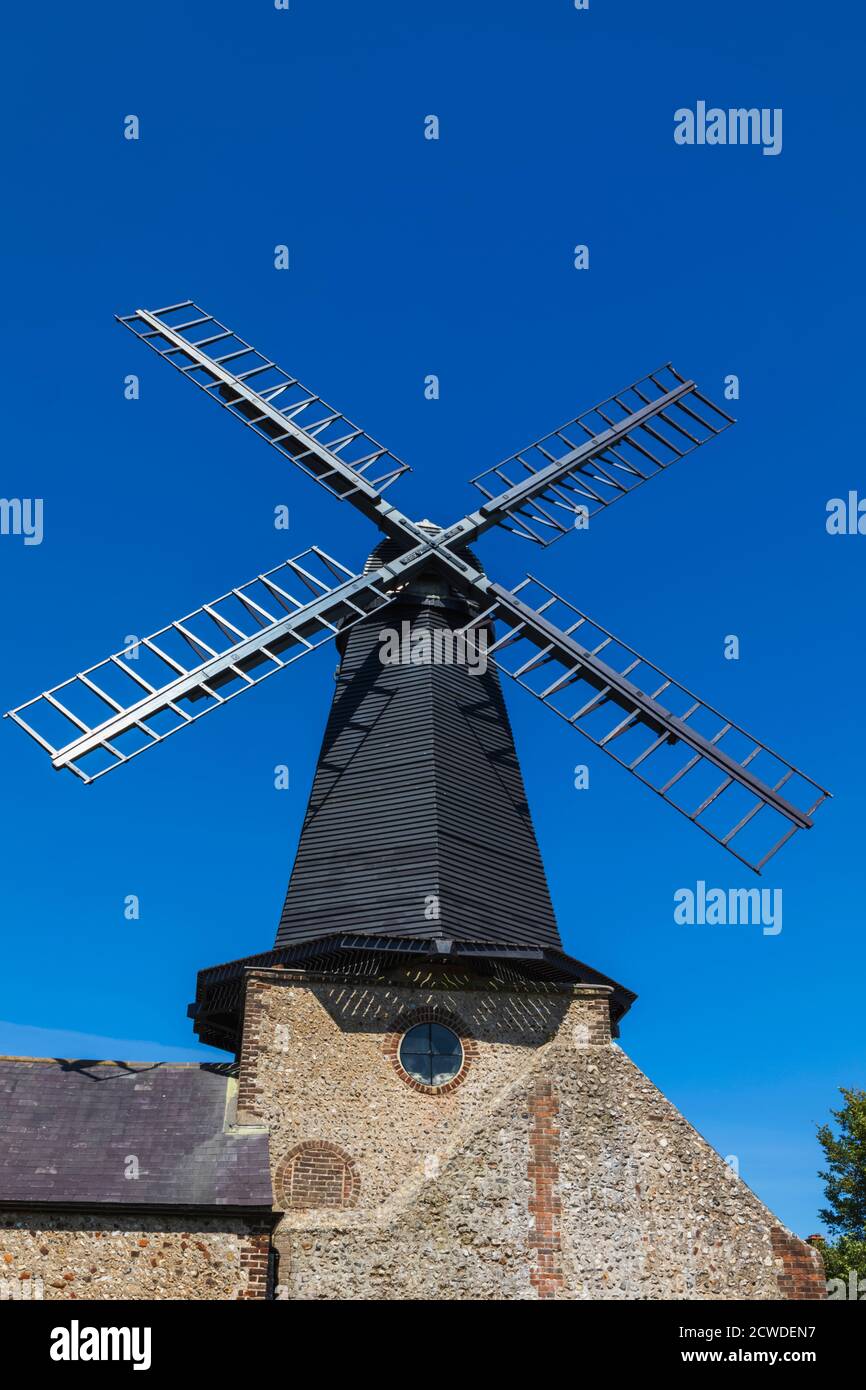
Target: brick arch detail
(314,1174)
(429,1013)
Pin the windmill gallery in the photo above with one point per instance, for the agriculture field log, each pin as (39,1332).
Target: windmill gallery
(415,1105)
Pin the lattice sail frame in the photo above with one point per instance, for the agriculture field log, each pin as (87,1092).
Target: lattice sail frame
(320,439)
(670,419)
(585,466)
(137,698)
(731,785)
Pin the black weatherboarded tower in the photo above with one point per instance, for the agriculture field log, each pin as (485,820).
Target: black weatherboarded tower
(418,846)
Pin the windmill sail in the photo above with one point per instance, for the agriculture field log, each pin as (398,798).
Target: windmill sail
(104,716)
(733,786)
(730,784)
(543,491)
(320,439)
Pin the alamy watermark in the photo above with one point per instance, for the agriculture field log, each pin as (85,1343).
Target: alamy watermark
(723,907)
(846,516)
(854,1288)
(77,1343)
(421,646)
(25,1289)
(740,125)
(22,516)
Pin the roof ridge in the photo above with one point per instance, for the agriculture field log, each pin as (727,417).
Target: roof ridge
(105,1061)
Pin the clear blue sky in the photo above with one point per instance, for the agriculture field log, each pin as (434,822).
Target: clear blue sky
(411,257)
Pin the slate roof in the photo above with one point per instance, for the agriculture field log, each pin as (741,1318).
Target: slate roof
(68,1128)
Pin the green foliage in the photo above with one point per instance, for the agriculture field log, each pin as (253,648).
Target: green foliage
(845,1175)
(842,1256)
(845,1189)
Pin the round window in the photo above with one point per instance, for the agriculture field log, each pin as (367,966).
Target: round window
(431,1054)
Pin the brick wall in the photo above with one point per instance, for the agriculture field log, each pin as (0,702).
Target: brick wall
(251,1041)
(800,1268)
(254,1256)
(316,1174)
(545,1207)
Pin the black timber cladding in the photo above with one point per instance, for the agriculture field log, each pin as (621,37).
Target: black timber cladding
(70,1127)
(417,802)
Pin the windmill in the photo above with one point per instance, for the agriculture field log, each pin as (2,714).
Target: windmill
(725,781)
(417,1045)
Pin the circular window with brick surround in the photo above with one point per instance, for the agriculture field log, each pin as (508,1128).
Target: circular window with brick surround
(316,1174)
(430,1049)
(431,1053)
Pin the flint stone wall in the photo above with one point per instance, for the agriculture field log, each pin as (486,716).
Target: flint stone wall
(72,1256)
(553,1169)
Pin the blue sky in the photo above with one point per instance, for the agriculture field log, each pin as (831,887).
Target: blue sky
(411,257)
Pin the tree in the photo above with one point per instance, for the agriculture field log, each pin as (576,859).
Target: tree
(845,1188)
(845,1178)
(845,1255)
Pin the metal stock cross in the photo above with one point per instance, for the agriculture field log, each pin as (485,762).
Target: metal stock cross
(747,798)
